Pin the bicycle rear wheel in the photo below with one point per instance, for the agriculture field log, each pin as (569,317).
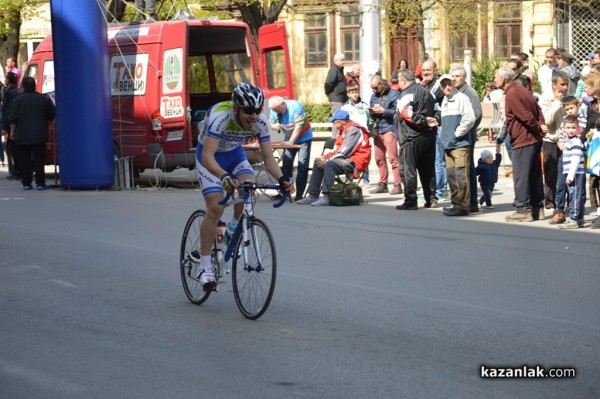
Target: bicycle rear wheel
(254,280)
(189,269)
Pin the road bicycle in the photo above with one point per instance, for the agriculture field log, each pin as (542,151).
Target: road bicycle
(251,249)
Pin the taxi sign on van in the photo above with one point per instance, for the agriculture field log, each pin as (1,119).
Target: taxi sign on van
(128,74)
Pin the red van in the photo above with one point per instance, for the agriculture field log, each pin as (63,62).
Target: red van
(165,75)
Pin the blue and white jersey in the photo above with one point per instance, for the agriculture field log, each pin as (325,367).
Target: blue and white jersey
(573,158)
(293,116)
(220,123)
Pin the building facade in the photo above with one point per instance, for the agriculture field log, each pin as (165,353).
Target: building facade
(318,32)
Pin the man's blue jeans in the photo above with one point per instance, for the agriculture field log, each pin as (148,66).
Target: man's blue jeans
(441,176)
(303,165)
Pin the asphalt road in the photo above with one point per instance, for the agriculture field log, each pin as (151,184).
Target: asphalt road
(370,303)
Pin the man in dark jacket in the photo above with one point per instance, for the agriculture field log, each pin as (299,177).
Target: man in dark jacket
(30,114)
(418,118)
(382,109)
(10,93)
(526,128)
(335,86)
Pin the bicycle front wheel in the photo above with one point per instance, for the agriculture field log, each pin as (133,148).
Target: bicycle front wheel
(189,269)
(254,274)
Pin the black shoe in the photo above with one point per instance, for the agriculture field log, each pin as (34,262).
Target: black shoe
(538,213)
(457,212)
(448,208)
(432,204)
(474,208)
(407,207)
(298,198)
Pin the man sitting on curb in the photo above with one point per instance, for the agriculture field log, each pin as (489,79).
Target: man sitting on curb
(352,152)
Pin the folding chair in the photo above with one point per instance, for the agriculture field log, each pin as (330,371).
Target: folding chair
(329,145)
(350,177)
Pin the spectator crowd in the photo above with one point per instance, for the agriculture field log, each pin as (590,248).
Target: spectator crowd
(423,128)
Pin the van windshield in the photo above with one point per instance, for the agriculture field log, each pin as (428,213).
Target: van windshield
(218,59)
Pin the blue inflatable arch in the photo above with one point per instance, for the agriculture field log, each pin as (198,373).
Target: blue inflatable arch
(83,102)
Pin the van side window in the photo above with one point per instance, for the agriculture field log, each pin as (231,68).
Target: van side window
(32,71)
(276,76)
(230,69)
(198,80)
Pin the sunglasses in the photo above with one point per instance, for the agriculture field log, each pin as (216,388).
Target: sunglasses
(250,111)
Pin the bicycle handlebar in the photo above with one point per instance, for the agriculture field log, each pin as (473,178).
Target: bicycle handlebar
(250,186)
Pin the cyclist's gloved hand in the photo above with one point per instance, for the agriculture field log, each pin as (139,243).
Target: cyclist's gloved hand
(228,182)
(286,184)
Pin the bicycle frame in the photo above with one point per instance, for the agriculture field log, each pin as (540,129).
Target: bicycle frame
(242,227)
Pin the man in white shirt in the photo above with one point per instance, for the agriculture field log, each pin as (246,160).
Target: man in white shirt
(546,70)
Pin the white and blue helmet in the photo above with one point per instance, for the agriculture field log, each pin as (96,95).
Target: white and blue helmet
(247,95)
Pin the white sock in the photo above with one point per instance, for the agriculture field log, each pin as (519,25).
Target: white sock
(205,262)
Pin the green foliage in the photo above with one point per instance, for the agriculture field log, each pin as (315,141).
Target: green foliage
(483,71)
(15,11)
(318,112)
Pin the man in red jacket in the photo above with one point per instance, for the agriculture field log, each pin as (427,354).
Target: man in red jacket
(352,152)
(526,128)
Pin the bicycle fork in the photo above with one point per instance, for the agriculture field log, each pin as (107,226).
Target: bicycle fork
(242,229)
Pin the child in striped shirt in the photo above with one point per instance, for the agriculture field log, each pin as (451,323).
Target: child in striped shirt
(574,171)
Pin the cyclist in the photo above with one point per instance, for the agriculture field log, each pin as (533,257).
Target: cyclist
(221,162)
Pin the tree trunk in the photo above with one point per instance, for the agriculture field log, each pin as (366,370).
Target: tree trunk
(256,16)
(9,44)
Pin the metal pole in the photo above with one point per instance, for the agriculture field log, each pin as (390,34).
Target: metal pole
(370,58)
(468,66)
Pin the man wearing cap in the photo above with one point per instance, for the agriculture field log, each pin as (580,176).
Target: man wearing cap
(587,67)
(352,152)
(565,60)
(459,74)
(458,118)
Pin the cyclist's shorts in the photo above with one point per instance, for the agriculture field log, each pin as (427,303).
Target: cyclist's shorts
(234,162)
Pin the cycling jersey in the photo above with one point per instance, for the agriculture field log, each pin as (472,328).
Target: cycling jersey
(220,123)
(293,115)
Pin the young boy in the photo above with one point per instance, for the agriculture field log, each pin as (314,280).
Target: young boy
(487,170)
(571,106)
(574,172)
